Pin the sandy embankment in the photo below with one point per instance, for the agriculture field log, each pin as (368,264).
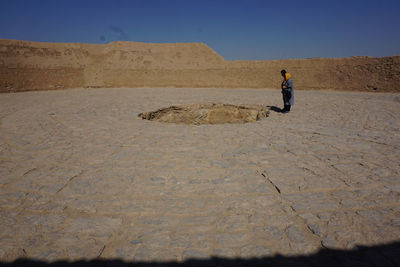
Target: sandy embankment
(26,66)
(83,177)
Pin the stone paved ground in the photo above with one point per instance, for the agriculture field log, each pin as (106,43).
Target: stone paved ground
(81,176)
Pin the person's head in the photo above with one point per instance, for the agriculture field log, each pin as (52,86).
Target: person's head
(283,72)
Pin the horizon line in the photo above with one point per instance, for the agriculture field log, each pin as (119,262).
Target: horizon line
(203,43)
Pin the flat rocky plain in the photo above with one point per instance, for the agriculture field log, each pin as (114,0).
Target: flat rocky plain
(83,177)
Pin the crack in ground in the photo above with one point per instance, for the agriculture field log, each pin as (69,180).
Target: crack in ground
(101,251)
(68,182)
(290,210)
(29,171)
(274,185)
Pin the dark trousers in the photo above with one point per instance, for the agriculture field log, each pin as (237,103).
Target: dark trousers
(286,99)
(286,108)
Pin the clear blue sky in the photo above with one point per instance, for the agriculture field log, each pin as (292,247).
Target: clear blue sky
(246,29)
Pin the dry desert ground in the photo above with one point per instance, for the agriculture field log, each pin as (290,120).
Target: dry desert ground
(83,177)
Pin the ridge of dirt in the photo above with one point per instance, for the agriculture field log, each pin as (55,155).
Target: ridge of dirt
(27,66)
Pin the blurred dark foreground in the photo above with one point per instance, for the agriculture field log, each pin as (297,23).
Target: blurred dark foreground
(380,256)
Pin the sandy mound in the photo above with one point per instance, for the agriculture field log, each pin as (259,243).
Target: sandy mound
(26,66)
(207,114)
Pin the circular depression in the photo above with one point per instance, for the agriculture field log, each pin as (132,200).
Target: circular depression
(207,114)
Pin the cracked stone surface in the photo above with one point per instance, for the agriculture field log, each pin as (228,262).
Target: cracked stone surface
(83,177)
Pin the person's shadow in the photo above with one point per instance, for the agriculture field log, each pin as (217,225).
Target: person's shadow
(276,109)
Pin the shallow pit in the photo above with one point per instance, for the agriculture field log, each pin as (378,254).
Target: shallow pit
(207,114)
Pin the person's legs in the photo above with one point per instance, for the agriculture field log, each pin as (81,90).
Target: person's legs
(286,99)
(284,105)
(286,109)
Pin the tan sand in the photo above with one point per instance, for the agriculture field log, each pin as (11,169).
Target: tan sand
(26,66)
(82,176)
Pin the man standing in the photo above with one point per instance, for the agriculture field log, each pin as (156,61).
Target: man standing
(287,91)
